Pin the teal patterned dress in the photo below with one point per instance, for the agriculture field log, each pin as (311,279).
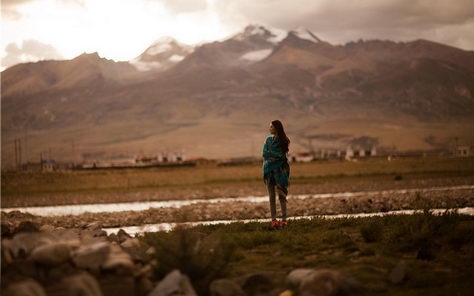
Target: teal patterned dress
(275,163)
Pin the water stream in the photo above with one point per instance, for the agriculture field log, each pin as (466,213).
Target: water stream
(142,206)
(139,230)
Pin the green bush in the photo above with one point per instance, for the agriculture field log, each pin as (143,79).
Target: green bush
(420,231)
(202,257)
(372,230)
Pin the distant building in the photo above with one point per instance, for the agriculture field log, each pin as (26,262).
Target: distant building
(302,157)
(48,165)
(464,151)
(349,153)
(360,152)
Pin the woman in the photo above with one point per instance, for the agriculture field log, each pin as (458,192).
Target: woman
(276,171)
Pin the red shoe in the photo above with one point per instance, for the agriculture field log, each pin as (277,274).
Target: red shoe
(275,224)
(283,223)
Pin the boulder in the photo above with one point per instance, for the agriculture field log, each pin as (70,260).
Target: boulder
(51,254)
(25,288)
(119,261)
(23,244)
(27,226)
(82,284)
(225,287)
(133,246)
(325,282)
(6,229)
(256,283)
(91,256)
(131,243)
(122,235)
(175,283)
(296,277)
(398,273)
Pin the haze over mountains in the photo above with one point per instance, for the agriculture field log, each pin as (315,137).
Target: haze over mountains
(216,100)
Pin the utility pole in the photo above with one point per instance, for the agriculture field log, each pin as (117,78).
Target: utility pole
(18,153)
(73,153)
(26,146)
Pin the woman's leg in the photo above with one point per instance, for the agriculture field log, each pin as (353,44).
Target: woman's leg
(282,198)
(271,193)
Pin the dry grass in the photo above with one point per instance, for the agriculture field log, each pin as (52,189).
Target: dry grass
(20,183)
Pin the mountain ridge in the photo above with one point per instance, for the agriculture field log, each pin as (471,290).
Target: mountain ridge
(380,90)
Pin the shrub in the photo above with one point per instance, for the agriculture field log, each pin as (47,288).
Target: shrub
(398,178)
(372,230)
(203,258)
(421,231)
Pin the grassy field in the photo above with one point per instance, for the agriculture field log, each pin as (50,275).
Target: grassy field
(152,178)
(435,253)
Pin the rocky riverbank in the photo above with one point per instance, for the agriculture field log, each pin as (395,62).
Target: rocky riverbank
(368,202)
(73,255)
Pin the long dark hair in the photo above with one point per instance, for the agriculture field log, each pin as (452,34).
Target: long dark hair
(284,140)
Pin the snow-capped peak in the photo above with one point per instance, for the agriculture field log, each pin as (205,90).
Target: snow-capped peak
(272,35)
(304,33)
(162,45)
(162,55)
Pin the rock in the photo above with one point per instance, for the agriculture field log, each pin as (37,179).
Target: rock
(27,226)
(83,284)
(144,286)
(325,282)
(131,243)
(96,225)
(6,229)
(122,236)
(25,288)
(286,293)
(7,255)
(51,254)
(113,238)
(23,244)
(133,247)
(47,228)
(174,283)
(257,282)
(91,256)
(119,261)
(150,251)
(295,277)
(398,273)
(95,229)
(225,287)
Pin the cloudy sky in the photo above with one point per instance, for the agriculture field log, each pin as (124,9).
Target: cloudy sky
(122,29)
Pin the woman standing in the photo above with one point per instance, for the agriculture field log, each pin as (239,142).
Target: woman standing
(276,171)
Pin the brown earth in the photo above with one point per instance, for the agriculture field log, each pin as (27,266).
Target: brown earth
(374,196)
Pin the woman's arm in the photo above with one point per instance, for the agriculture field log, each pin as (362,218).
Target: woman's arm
(271,150)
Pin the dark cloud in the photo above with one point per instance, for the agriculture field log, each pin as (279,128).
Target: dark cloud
(30,50)
(184,6)
(340,21)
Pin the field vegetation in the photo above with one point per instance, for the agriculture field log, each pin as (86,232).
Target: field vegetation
(421,254)
(211,180)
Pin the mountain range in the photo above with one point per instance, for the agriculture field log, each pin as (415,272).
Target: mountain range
(217,99)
